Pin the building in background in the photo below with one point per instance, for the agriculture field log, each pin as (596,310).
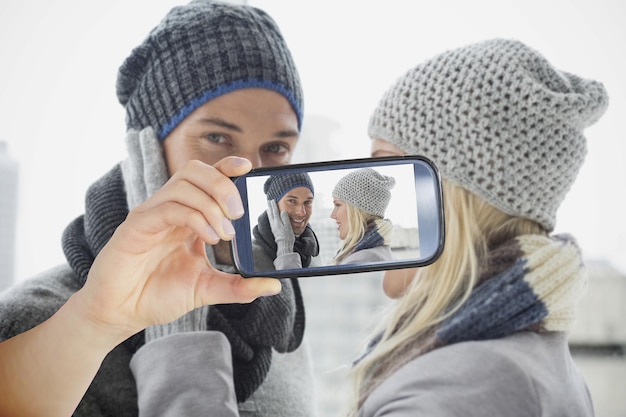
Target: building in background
(8,215)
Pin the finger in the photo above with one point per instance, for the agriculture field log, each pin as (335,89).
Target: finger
(208,180)
(233,166)
(284,216)
(253,288)
(272,210)
(187,194)
(225,288)
(142,229)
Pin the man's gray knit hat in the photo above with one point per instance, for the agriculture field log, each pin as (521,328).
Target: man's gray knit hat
(276,186)
(201,51)
(498,119)
(366,189)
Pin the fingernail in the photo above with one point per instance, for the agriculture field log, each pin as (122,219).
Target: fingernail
(238,161)
(212,233)
(268,294)
(275,291)
(228,227)
(234,206)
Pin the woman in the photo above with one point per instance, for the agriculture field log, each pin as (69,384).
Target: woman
(360,199)
(483,330)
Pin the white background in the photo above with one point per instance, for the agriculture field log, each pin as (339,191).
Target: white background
(62,122)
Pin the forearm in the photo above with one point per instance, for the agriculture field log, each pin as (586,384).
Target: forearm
(47,370)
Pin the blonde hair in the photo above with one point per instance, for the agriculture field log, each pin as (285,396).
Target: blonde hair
(359,221)
(472,227)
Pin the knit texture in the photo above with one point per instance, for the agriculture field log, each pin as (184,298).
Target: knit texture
(366,189)
(377,233)
(144,170)
(540,290)
(499,120)
(201,51)
(276,186)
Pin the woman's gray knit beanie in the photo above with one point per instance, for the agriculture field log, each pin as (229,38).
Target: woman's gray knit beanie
(366,189)
(499,120)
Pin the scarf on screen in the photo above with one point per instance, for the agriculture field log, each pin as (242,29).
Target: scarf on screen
(530,283)
(377,233)
(306,244)
(253,329)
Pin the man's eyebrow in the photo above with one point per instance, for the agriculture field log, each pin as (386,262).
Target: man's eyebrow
(290,133)
(297,198)
(216,121)
(221,123)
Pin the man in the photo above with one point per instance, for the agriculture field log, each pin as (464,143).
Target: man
(211,92)
(283,238)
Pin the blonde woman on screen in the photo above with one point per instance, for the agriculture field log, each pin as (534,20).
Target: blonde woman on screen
(360,199)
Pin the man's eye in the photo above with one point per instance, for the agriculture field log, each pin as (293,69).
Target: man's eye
(277,148)
(215,137)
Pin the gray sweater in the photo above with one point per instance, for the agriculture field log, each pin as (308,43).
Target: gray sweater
(376,254)
(523,375)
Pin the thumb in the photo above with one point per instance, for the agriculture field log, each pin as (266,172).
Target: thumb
(253,288)
(227,288)
(233,166)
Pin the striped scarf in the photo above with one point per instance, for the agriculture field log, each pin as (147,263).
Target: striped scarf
(530,283)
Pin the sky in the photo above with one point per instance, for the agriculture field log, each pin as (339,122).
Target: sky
(61,120)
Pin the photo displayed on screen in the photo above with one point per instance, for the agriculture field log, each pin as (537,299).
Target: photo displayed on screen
(395,204)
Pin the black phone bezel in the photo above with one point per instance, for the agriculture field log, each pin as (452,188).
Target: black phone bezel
(430,222)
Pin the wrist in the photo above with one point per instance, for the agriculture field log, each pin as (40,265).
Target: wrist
(88,326)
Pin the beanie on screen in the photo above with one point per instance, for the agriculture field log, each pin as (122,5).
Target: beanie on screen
(497,119)
(201,51)
(276,186)
(366,189)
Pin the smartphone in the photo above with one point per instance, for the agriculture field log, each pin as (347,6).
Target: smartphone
(411,215)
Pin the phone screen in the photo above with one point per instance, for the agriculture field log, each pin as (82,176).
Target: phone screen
(408,216)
